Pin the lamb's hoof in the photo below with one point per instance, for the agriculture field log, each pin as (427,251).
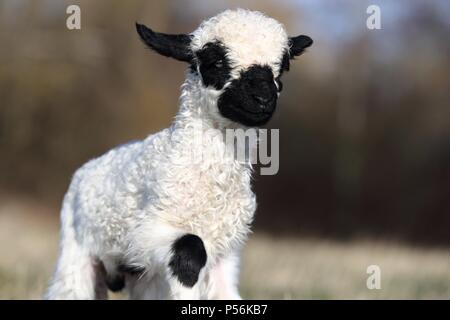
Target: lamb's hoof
(115,283)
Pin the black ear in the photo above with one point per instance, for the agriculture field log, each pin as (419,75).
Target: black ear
(297,45)
(170,45)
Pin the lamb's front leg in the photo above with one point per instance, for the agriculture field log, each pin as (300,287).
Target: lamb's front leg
(223,279)
(187,259)
(171,256)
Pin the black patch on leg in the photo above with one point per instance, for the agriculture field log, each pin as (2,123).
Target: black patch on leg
(189,257)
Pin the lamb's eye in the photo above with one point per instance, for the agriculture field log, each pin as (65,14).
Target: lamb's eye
(218,63)
(213,65)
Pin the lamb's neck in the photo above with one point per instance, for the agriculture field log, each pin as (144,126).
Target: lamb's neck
(198,105)
(190,116)
(196,131)
(198,118)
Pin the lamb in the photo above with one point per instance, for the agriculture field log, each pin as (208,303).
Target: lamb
(146,219)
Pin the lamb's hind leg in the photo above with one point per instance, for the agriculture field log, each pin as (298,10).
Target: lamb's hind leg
(78,275)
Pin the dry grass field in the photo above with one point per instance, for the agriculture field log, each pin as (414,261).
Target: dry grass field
(272,268)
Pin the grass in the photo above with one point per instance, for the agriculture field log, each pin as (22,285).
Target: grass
(271,268)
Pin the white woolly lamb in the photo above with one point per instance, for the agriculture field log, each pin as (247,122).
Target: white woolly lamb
(143,216)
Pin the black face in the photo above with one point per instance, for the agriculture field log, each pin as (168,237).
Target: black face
(251,99)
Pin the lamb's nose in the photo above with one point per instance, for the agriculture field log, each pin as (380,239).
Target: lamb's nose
(262,101)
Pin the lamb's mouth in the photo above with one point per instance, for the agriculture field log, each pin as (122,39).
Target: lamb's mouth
(246,116)
(259,112)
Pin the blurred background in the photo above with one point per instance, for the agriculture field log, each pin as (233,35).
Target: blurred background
(364,123)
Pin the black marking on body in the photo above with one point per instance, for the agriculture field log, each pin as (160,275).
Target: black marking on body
(188,258)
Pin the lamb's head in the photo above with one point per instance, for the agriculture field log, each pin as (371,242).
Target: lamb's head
(238,58)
